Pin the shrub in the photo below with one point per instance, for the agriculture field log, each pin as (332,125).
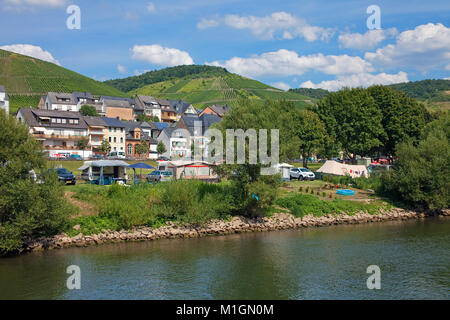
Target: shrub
(27,209)
(420,175)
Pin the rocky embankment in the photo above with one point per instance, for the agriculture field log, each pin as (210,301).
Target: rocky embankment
(280,221)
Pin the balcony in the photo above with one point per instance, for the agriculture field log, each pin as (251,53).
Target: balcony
(41,136)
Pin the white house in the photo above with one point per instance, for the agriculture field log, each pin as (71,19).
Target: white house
(60,101)
(4,99)
(58,131)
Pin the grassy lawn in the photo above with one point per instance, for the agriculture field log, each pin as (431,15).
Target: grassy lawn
(311,166)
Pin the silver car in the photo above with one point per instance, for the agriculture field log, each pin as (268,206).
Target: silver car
(302,174)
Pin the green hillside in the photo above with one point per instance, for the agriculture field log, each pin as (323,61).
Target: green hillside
(204,85)
(26,79)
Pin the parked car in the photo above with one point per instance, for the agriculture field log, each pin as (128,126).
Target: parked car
(163,159)
(159,176)
(116,155)
(302,174)
(75,157)
(65,176)
(97,157)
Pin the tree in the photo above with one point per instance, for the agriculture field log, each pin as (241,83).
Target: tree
(87,110)
(27,209)
(105,147)
(402,117)
(311,134)
(161,148)
(155,119)
(142,148)
(420,175)
(353,120)
(82,144)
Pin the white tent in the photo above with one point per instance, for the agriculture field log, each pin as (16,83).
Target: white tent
(339,169)
(284,169)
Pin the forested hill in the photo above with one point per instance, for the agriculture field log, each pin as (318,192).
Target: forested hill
(432,90)
(204,85)
(309,92)
(166,74)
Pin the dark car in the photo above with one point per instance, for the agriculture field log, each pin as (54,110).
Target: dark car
(163,159)
(65,176)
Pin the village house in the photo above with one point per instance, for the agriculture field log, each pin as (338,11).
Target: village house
(96,132)
(115,133)
(136,132)
(4,99)
(59,101)
(148,106)
(182,108)
(85,98)
(121,109)
(219,111)
(168,113)
(59,131)
(197,126)
(176,141)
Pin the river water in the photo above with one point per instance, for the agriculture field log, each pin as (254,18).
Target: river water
(315,263)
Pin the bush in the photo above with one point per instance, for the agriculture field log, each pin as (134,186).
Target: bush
(27,209)
(420,175)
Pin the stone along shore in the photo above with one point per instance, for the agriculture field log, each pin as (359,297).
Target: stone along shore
(279,221)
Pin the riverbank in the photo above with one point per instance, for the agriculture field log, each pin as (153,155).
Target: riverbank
(279,221)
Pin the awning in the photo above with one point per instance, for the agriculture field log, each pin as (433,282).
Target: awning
(103,163)
(141,165)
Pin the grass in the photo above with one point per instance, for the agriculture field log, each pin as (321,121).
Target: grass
(219,89)
(304,204)
(26,79)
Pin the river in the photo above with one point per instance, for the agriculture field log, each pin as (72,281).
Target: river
(314,263)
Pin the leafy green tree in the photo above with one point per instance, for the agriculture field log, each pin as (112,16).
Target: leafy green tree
(155,119)
(142,148)
(105,147)
(420,175)
(27,209)
(311,134)
(353,120)
(87,110)
(161,148)
(402,117)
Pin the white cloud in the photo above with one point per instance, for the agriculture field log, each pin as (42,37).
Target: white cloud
(281,85)
(287,63)
(368,40)
(207,23)
(448,78)
(358,80)
(424,48)
(32,51)
(151,7)
(447,67)
(122,69)
(30,4)
(280,25)
(162,56)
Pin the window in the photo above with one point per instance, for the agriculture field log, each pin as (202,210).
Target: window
(63,120)
(115,139)
(53,120)
(109,139)
(75,121)
(58,120)
(115,129)
(109,128)
(121,129)
(121,140)
(115,148)
(129,148)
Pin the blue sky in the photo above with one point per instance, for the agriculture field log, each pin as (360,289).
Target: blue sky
(297,43)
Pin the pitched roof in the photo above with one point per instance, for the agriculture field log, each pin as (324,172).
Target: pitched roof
(81,95)
(94,121)
(146,101)
(179,106)
(61,97)
(113,122)
(220,110)
(117,103)
(131,101)
(161,125)
(208,120)
(32,116)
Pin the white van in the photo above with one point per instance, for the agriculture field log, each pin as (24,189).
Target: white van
(116,155)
